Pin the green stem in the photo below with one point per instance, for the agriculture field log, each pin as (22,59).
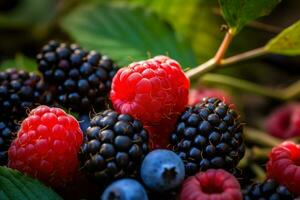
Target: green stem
(260,137)
(218,79)
(244,56)
(260,153)
(201,69)
(293,91)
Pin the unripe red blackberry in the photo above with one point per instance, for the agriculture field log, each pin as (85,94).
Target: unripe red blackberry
(209,135)
(114,147)
(82,78)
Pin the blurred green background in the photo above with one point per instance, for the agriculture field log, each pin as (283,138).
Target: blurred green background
(189,31)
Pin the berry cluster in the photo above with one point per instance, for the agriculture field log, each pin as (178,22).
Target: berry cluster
(19,91)
(197,147)
(80,79)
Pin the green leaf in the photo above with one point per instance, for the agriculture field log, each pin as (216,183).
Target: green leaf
(20,62)
(287,42)
(193,20)
(238,13)
(125,34)
(16,186)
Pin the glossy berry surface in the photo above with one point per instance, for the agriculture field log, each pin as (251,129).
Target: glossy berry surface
(162,170)
(81,78)
(19,91)
(269,189)
(284,166)
(125,189)
(151,91)
(209,135)
(114,147)
(211,185)
(284,122)
(46,146)
(7,134)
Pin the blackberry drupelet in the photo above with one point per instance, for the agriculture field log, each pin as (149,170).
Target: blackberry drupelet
(209,135)
(7,133)
(82,78)
(114,147)
(19,91)
(268,190)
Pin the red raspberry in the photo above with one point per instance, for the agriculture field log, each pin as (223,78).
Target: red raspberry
(196,96)
(214,184)
(285,121)
(284,165)
(151,91)
(46,146)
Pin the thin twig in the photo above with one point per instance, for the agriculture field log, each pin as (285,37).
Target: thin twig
(201,69)
(244,56)
(224,46)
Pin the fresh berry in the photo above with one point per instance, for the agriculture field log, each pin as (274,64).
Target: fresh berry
(151,91)
(7,133)
(211,185)
(84,122)
(125,189)
(269,189)
(47,145)
(82,78)
(162,170)
(197,95)
(209,135)
(285,121)
(284,166)
(114,147)
(19,91)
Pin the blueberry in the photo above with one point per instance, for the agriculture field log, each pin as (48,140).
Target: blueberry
(125,189)
(162,170)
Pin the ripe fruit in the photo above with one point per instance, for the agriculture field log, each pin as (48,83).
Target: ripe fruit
(151,91)
(283,166)
(209,135)
(82,78)
(284,122)
(269,189)
(46,146)
(196,96)
(162,170)
(125,189)
(114,147)
(7,133)
(211,185)
(19,91)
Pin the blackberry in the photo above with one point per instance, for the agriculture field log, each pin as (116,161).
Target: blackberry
(209,135)
(19,91)
(114,147)
(268,190)
(82,78)
(7,133)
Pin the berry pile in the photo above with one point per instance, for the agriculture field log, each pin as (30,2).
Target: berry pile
(209,135)
(198,146)
(80,79)
(19,91)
